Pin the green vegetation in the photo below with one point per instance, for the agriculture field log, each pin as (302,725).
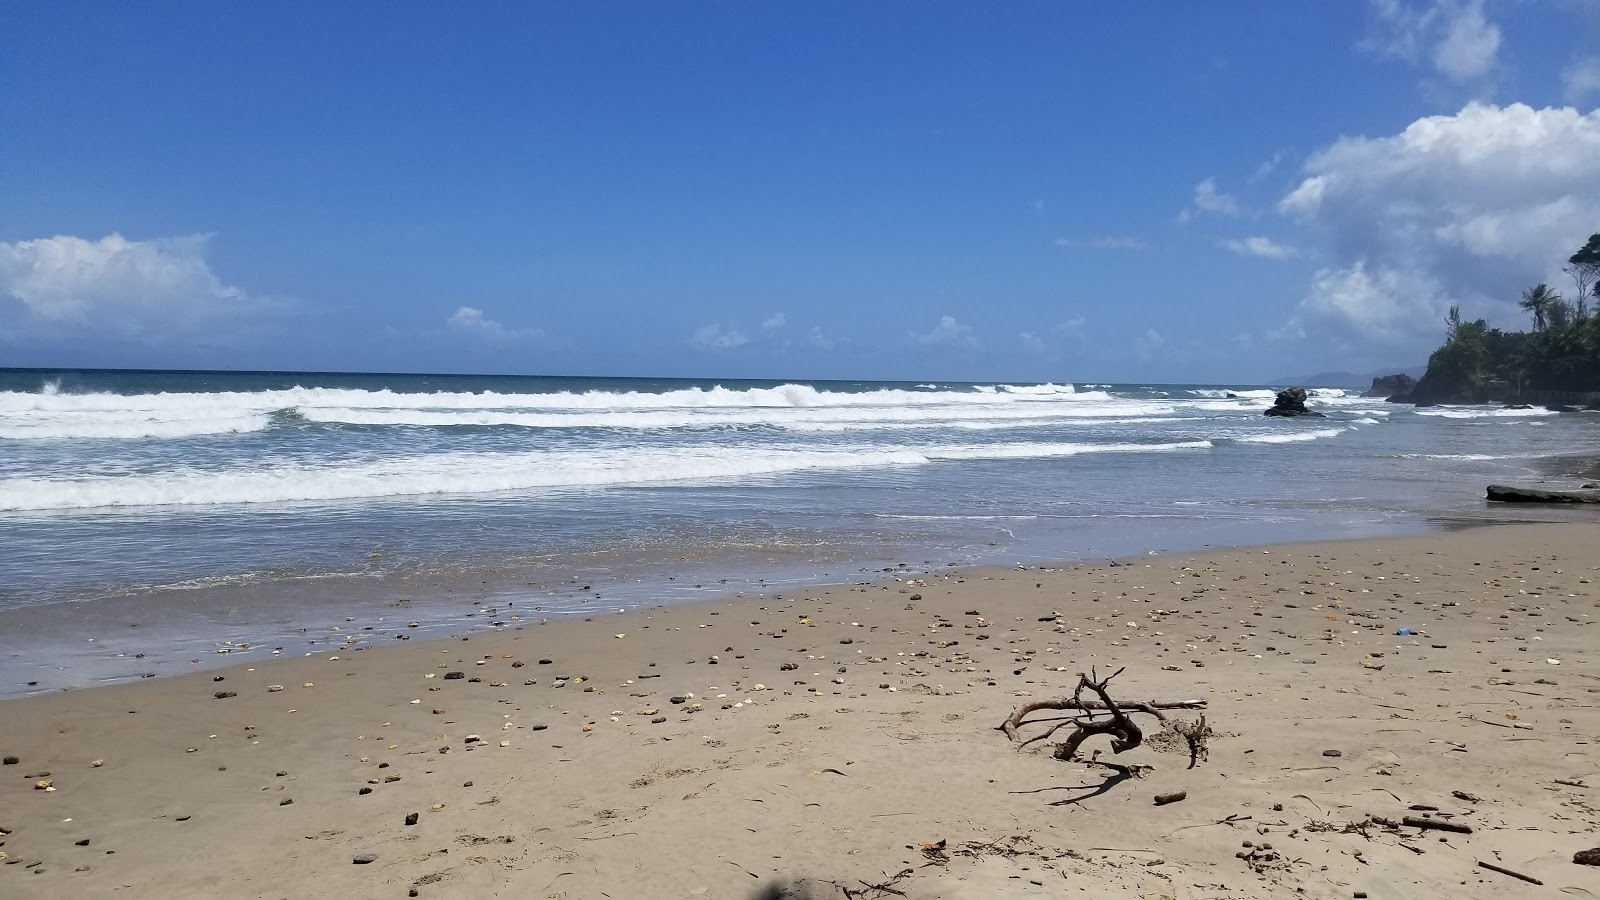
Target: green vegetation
(1562,352)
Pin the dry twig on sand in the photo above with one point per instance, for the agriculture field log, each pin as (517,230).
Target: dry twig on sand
(1125,735)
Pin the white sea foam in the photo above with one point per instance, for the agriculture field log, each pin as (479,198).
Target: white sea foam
(1462,412)
(53,415)
(1291,437)
(478,473)
(1477,457)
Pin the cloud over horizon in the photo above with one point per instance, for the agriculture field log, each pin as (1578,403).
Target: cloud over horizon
(1466,209)
(120,287)
(471,321)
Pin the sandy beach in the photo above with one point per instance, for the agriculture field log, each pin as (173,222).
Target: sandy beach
(841,742)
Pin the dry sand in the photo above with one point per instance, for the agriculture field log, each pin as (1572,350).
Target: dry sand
(834,732)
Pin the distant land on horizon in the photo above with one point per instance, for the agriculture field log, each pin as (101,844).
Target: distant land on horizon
(1348,379)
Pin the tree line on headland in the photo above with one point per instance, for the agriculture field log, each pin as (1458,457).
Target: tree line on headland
(1561,353)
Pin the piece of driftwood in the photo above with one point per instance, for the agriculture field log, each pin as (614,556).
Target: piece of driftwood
(1174,797)
(1502,493)
(1430,824)
(1505,871)
(1124,733)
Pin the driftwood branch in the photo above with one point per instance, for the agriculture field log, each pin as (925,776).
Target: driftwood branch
(1015,721)
(1125,735)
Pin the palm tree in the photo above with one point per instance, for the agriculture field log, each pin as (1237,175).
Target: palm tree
(1540,301)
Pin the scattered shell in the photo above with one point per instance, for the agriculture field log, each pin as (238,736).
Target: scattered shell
(44,785)
(274,688)
(97,763)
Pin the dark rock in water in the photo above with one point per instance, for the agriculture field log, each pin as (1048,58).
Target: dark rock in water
(1561,407)
(1519,406)
(1396,385)
(1507,494)
(1291,402)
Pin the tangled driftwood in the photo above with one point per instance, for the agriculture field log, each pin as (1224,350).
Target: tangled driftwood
(1125,735)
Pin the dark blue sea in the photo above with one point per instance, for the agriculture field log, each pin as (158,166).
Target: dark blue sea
(153,522)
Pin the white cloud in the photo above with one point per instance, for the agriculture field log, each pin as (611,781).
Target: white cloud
(1264,247)
(774,322)
(821,340)
(122,287)
(948,332)
(470,320)
(1452,37)
(1386,304)
(1108,242)
(713,337)
(1581,80)
(1150,343)
(1468,208)
(1069,331)
(1208,198)
(1267,167)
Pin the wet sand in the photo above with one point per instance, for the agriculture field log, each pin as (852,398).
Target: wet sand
(820,741)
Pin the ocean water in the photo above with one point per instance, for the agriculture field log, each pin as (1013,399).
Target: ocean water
(152,522)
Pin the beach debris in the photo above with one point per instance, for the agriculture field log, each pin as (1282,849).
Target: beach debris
(1504,871)
(1174,797)
(11,760)
(1198,736)
(274,688)
(44,784)
(1425,824)
(1587,857)
(1124,733)
(365,858)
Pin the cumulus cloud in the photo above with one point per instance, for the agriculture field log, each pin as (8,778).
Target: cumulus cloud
(119,286)
(1467,208)
(470,320)
(714,337)
(1453,38)
(1264,247)
(1581,80)
(1108,242)
(774,322)
(1208,198)
(949,333)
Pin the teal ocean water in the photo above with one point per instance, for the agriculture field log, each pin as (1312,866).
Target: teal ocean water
(148,519)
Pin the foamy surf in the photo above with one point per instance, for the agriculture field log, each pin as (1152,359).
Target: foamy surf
(483,473)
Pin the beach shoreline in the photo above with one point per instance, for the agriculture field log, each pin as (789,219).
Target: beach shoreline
(826,713)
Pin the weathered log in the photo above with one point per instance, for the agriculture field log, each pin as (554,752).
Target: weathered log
(1502,493)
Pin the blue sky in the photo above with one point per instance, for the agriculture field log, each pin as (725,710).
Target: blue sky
(1034,191)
